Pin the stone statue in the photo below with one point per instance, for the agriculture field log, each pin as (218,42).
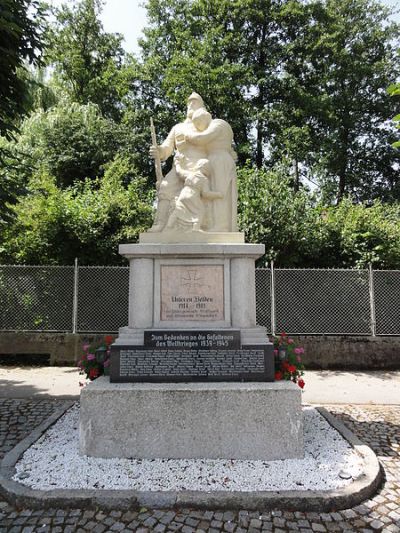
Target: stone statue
(216,136)
(200,192)
(189,210)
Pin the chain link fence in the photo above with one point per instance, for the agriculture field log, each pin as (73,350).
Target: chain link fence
(36,298)
(298,301)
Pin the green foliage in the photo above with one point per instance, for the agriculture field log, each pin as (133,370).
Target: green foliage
(353,36)
(297,233)
(299,81)
(88,62)
(271,213)
(363,234)
(20,42)
(87,220)
(70,141)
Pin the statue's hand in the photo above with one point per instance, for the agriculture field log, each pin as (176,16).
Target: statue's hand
(154,151)
(189,137)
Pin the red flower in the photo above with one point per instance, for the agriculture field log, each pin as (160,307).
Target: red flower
(278,376)
(283,334)
(108,339)
(93,373)
(285,366)
(301,383)
(291,369)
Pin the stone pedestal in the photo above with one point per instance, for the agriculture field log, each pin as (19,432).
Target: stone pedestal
(192,317)
(192,286)
(197,420)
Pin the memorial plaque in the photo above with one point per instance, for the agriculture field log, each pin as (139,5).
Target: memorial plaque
(195,340)
(192,293)
(144,364)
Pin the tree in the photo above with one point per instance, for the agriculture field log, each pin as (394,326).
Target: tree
(71,141)
(87,220)
(20,40)
(302,81)
(89,62)
(394,90)
(344,60)
(271,213)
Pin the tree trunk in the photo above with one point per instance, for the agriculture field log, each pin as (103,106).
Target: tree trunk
(260,101)
(343,165)
(296,185)
(259,149)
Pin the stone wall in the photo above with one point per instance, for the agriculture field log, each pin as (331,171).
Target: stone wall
(63,348)
(357,353)
(326,352)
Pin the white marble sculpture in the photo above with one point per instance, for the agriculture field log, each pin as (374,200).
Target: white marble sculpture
(200,192)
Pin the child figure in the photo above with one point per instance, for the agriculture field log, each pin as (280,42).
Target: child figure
(190,208)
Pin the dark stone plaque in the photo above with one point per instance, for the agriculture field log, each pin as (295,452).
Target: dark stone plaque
(147,364)
(194,340)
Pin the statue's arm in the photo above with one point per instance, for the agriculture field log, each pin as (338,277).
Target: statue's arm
(166,149)
(181,172)
(210,195)
(202,138)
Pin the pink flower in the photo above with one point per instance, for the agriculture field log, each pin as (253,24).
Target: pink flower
(298,351)
(298,359)
(91,356)
(276,352)
(290,341)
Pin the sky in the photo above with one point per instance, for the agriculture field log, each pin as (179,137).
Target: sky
(128,17)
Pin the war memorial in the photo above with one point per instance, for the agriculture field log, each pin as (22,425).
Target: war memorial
(192,374)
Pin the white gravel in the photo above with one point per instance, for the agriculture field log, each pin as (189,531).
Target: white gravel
(54,462)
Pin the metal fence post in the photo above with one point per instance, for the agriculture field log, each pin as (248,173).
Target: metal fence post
(372,299)
(273,318)
(75,298)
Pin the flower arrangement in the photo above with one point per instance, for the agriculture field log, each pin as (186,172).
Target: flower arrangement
(288,361)
(95,359)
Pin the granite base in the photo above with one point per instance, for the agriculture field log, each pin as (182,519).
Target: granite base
(191,420)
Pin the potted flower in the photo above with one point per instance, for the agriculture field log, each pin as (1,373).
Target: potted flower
(288,360)
(95,360)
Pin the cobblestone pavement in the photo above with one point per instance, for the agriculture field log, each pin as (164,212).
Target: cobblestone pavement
(378,426)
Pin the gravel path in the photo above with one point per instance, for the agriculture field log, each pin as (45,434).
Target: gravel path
(54,462)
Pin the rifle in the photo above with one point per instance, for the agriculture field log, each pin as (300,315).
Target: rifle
(157,160)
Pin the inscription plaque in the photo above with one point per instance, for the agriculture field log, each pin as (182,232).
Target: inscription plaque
(192,293)
(199,340)
(140,364)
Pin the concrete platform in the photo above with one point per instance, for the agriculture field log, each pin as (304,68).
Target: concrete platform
(191,420)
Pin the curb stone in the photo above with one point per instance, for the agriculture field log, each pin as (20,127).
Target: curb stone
(322,501)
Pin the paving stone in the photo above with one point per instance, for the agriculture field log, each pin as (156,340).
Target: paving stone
(279,522)
(228,516)
(128,516)
(377,426)
(192,522)
(187,529)
(160,528)
(255,523)
(318,527)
